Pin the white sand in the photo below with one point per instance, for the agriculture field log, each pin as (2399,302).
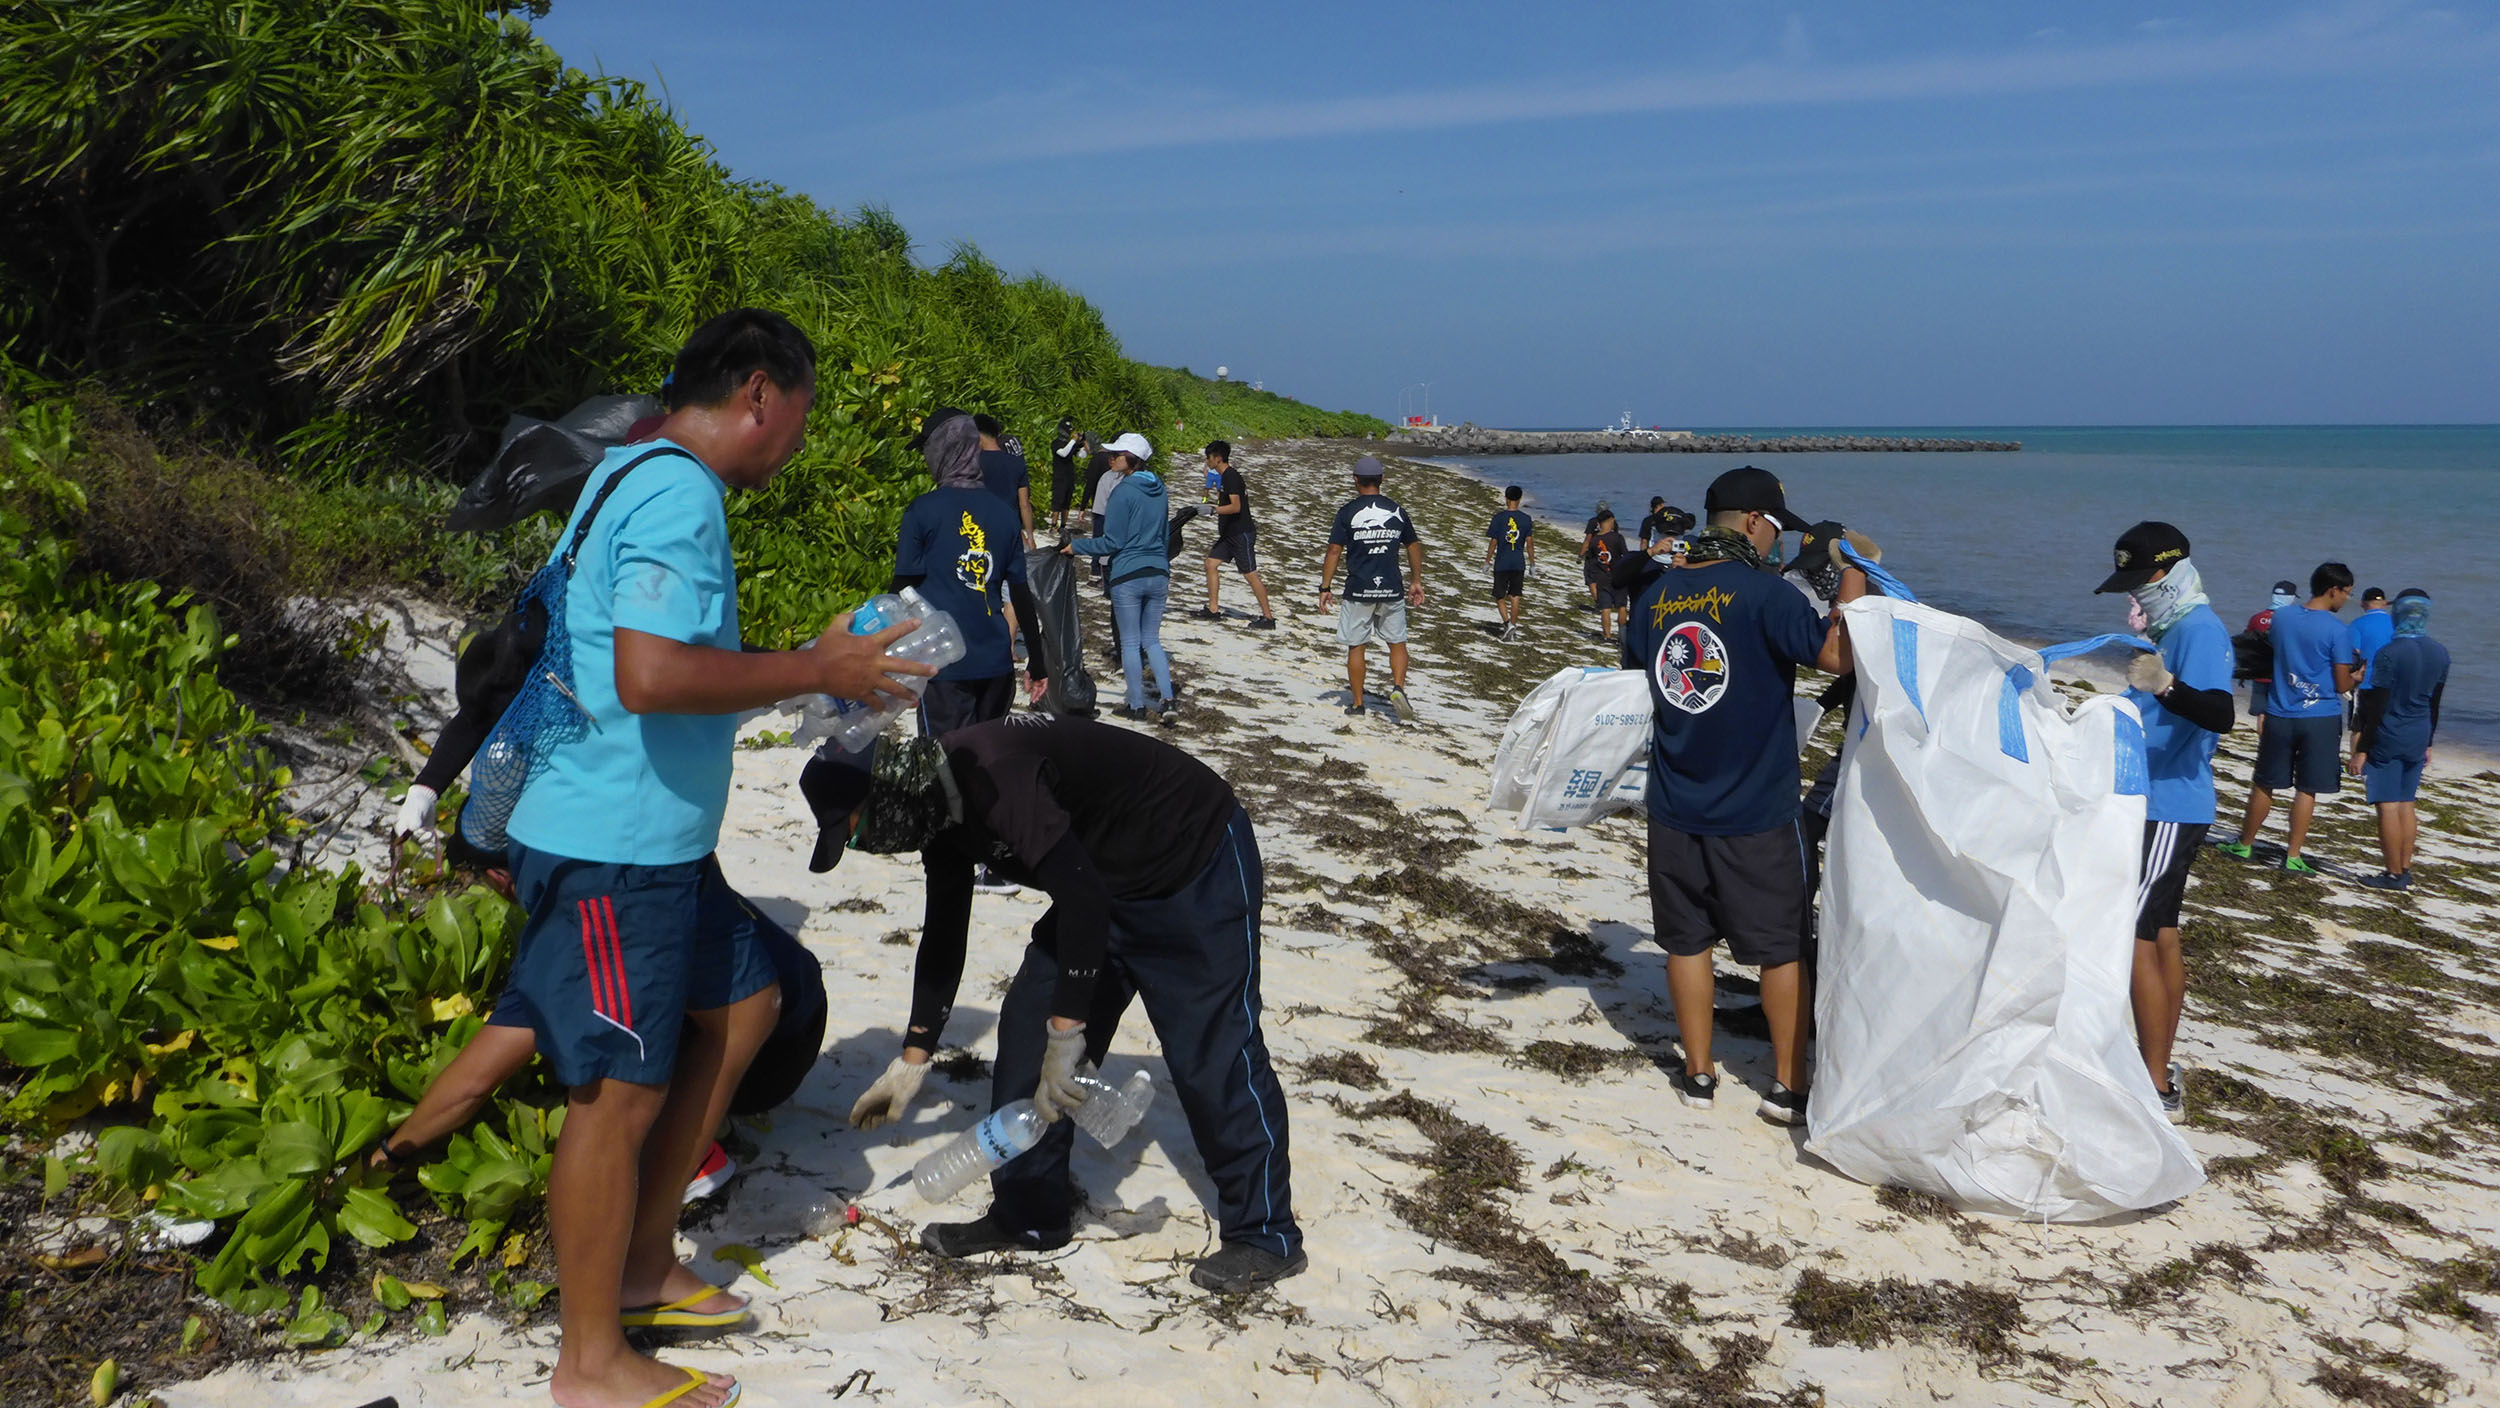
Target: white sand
(1619,1179)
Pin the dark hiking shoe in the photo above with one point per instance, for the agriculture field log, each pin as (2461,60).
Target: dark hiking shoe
(1239,1268)
(1263,623)
(1781,1105)
(1170,714)
(1209,613)
(1700,1092)
(2388,882)
(1354,708)
(962,1239)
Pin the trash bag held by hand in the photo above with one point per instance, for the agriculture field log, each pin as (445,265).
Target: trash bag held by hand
(1052,577)
(1577,749)
(1973,1032)
(542,464)
(542,711)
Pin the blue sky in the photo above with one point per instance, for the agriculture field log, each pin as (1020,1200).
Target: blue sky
(1703,213)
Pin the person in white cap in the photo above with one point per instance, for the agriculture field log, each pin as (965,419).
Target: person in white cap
(1135,538)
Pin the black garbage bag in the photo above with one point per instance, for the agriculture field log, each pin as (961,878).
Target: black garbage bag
(541,463)
(1052,576)
(1172,534)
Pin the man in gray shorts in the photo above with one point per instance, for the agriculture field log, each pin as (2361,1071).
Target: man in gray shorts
(1368,533)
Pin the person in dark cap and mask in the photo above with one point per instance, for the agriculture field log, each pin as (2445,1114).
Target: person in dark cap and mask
(1720,639)
(962,546)
(2399,714)
(2182,692)
(1155,889)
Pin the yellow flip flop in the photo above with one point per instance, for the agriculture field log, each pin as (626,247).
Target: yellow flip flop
(676,1316)
(695,1379)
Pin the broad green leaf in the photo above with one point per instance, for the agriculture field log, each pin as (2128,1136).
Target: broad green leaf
(369,1216)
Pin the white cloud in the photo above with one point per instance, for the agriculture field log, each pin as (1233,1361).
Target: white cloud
(2340,41)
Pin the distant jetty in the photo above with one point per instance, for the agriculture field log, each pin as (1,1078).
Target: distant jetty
(1476,440)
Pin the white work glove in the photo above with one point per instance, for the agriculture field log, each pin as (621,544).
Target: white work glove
(890,1096)
(1531,572)
(2145,672)
(1062,1057)
(416,814)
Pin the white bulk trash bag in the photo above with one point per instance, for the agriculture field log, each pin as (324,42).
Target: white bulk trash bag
(1576,750)
(1974,1038)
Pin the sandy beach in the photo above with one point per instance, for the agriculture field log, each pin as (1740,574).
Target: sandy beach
(1503,1199)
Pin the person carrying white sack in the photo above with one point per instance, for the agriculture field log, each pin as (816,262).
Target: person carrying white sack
(1721,639)
(2183,692)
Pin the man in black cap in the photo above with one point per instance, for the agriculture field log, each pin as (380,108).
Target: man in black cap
(1721,639)
(1155,893)
(2183,694)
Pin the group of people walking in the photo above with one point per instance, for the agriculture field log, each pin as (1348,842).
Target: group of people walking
(650,987)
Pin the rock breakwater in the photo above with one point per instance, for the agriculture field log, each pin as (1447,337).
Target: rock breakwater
(1472,440)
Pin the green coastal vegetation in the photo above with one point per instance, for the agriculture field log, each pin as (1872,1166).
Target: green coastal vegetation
(272,277)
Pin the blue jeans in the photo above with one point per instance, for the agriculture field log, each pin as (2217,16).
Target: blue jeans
(1138,605)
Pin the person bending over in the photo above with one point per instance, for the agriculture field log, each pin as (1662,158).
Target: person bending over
(1155,889)
(1720,640)
(2182,691)
(1370,529)
(2399,714)
(2300,742)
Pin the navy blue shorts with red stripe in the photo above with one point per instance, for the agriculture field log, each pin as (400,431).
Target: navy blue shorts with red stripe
(613,957)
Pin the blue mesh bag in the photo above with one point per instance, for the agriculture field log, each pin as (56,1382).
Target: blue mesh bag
(544,712)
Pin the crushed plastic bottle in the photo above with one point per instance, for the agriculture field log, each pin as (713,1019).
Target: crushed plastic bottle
(1108,1114)
(852,725)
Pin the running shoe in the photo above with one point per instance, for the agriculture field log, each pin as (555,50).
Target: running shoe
(1354,709)
(1511,631)
(1781,1105)
(1397,701)
(1238,1268)
(2297,866)
(1209,613)
(2234,850)
(1701,1092)
(718,1168)
(1134,713)
(990,882)
(1171,713)
(958,1239)
(2173,1097)
(1263,623)
(2383,881)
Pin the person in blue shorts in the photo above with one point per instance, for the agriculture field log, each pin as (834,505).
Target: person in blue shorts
(646,996)
(2182,691)
(2392,745)
(2300,743)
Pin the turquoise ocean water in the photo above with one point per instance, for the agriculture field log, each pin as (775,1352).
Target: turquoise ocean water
(2018,540)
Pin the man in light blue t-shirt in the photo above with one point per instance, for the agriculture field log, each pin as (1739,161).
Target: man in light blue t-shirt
(634,965)
(2300,743)
(2182,691)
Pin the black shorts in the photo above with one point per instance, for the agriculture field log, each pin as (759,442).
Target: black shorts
(1507,584)
(1062,490)
(1239,549)
(1610,595)
(952,704)
(2170,847)
(1748,890)
(2306,755)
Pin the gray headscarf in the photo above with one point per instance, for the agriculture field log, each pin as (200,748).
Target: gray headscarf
(952,446)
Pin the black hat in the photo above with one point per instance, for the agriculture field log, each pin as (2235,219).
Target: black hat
(1814,546)
(2373,594)
(2143,550)
(936,418)
(2287,587)
(2411,591)
(1750,490)
(834,784)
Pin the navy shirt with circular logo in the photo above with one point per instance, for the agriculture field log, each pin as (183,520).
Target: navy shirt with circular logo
(966,545)
(1721,644)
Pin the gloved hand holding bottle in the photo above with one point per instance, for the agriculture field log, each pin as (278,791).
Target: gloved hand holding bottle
(1063,1054)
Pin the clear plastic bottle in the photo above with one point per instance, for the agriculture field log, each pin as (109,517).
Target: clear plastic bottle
(1108,1114)
(938,642)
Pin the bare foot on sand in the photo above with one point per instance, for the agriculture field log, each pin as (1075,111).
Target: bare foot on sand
(632,1380)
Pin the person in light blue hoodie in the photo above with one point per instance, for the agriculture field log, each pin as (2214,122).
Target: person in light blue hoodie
(1135,537)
